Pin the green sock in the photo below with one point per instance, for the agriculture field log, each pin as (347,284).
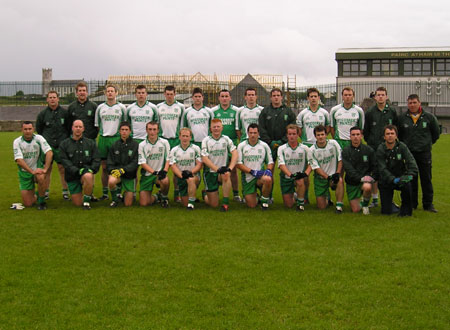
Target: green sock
(191,199)
(65,191)
(105,190)
(300,201)
(86,199)
(114,194)
(365,202)
(225,200)
(176,193)
(41,200)
(235,192)
(340,204)
(164,197)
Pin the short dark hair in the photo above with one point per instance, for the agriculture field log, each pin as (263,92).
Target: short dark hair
(53,92)
(319,128)
(413,97)
(276,89)
(27,122)
(390,127)
(197,90)
(381,89)
(151,123)
(253,125)
(124,123)
(355,128)
(312,90)
(169,88)
(225,91)
(348,88)
(112,86)
(140,87)
(251,89)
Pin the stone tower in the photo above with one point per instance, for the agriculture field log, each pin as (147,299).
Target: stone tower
(46,80)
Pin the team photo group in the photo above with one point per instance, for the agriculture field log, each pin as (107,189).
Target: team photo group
(369,156)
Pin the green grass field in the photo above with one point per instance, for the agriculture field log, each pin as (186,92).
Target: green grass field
(141,268)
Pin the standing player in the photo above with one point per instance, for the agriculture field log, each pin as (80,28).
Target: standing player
(108,117)
(140,113)
(253,154)
(154,160)
(53,124)
(29,151)
(419,130)
(186,163)
(326,162)
(81,160)
(215,152)
(84,109)
(198,117)
(345,116)
(312,116)
(376,118)
(360,171)
(397,167)
(248,114)
(308,119)
(122,165)
(294,168)
(273,120)
(227,112)
(171,114)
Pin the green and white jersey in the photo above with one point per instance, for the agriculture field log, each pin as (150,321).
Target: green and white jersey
(254,156)
(154,155)
(343,119)
(185,159)
(198,121)
(108,118)
(228,118)
(217,150)
(246,116)
(307,120)
(138,117)
(296,160)
(326,158)
(170,119)
(30,151)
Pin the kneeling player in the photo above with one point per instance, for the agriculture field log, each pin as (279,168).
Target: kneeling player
(326,162)
(252,155)
(154,161)
(122,164)
(29,151)
(293,163)
(215,151)
(81,160)
(186,163)
(360,171)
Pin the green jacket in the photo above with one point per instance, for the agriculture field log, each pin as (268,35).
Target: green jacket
(374,123)
(419,137)
(86,113)
(395,162)
(359,162)
(53,125)
(272,124)
(124,155)
(76,155)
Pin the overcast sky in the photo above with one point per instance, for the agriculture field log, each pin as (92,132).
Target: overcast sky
(93,39)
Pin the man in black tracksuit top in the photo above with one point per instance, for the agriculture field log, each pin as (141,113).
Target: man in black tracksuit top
(360,171)
(396,169)
(419,130)
(273,120)
(122,165)
(376,118)
(53,124)
(81,160)
(84,109)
